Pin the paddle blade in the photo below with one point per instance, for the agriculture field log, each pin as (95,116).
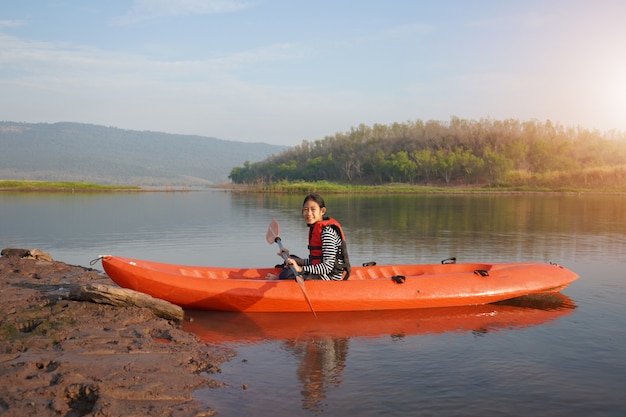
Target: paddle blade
(300,282)
(273,231)
(273,236)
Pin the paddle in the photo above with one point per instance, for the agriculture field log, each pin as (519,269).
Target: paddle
(273,236)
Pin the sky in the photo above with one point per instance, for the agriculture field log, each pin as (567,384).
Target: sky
(284,71)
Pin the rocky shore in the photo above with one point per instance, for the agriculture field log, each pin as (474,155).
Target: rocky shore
(63,357)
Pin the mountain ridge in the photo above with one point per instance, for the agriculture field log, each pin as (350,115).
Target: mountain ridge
(68,151)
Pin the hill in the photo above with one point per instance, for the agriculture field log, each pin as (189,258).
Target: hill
(509,152)
(83,152)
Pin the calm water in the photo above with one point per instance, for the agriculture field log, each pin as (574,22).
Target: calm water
(560,356)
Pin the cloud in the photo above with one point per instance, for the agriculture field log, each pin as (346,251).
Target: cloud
(11,23)
(52,81)
(21,59)
(143,10)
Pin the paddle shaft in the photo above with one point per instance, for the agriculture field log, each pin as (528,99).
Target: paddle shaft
(299,279)
(285,257)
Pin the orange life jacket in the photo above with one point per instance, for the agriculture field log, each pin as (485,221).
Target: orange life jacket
(315,246)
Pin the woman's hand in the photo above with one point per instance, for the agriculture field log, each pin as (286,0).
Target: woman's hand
(293,263)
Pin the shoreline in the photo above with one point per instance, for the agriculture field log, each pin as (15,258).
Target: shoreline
(59,356)
(299,188)
(450,191)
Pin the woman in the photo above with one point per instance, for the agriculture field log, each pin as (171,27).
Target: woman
(328,253)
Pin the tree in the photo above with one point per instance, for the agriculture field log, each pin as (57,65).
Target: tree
(240,175)
(425,162)
(417,151)
(496,165)
(402,167)
(445,164)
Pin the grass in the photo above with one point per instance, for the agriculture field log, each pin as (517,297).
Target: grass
(324,187)
(74,186)
(599,179)
(606,179)
(331,187)
(551,183)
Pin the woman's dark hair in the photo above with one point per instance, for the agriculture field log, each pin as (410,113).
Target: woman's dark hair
(315,197)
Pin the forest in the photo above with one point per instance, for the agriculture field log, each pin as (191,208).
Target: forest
(458,152)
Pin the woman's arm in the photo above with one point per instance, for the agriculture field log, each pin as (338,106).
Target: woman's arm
(331,242)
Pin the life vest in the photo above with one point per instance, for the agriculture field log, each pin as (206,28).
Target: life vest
(315,246)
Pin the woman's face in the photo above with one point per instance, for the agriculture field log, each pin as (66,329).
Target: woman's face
(312,212)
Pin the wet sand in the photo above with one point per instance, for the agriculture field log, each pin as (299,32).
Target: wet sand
(60,357)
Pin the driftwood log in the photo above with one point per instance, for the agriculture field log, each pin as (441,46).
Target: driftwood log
(122,297)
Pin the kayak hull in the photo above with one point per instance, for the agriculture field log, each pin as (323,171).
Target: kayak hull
(369,288)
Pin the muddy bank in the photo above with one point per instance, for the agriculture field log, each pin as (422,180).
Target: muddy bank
(60,357)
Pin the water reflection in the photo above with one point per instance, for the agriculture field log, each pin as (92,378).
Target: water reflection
(321,344)
(215,228)
(321,362)
(245,328)
(425,228)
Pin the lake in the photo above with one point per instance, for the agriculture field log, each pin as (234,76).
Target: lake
(563,355)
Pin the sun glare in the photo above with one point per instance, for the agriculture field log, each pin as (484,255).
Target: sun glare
(620,93)
(615,106)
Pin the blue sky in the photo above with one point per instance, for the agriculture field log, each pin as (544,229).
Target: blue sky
(286,71)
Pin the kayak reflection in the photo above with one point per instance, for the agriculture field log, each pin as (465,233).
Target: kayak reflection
(321,344)
(216,327)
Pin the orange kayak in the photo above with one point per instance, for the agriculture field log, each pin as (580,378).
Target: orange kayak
(378,287)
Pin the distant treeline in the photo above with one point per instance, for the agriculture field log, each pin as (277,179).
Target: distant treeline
(488,152)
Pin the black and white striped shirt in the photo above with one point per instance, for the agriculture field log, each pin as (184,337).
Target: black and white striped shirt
(331,246)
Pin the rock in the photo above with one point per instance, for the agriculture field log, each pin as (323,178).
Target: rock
(14,253)
(26,253)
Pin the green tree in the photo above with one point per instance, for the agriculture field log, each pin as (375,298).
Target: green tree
(445,164)
(404,168)
(425,161)
(496,165)
(240,175)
